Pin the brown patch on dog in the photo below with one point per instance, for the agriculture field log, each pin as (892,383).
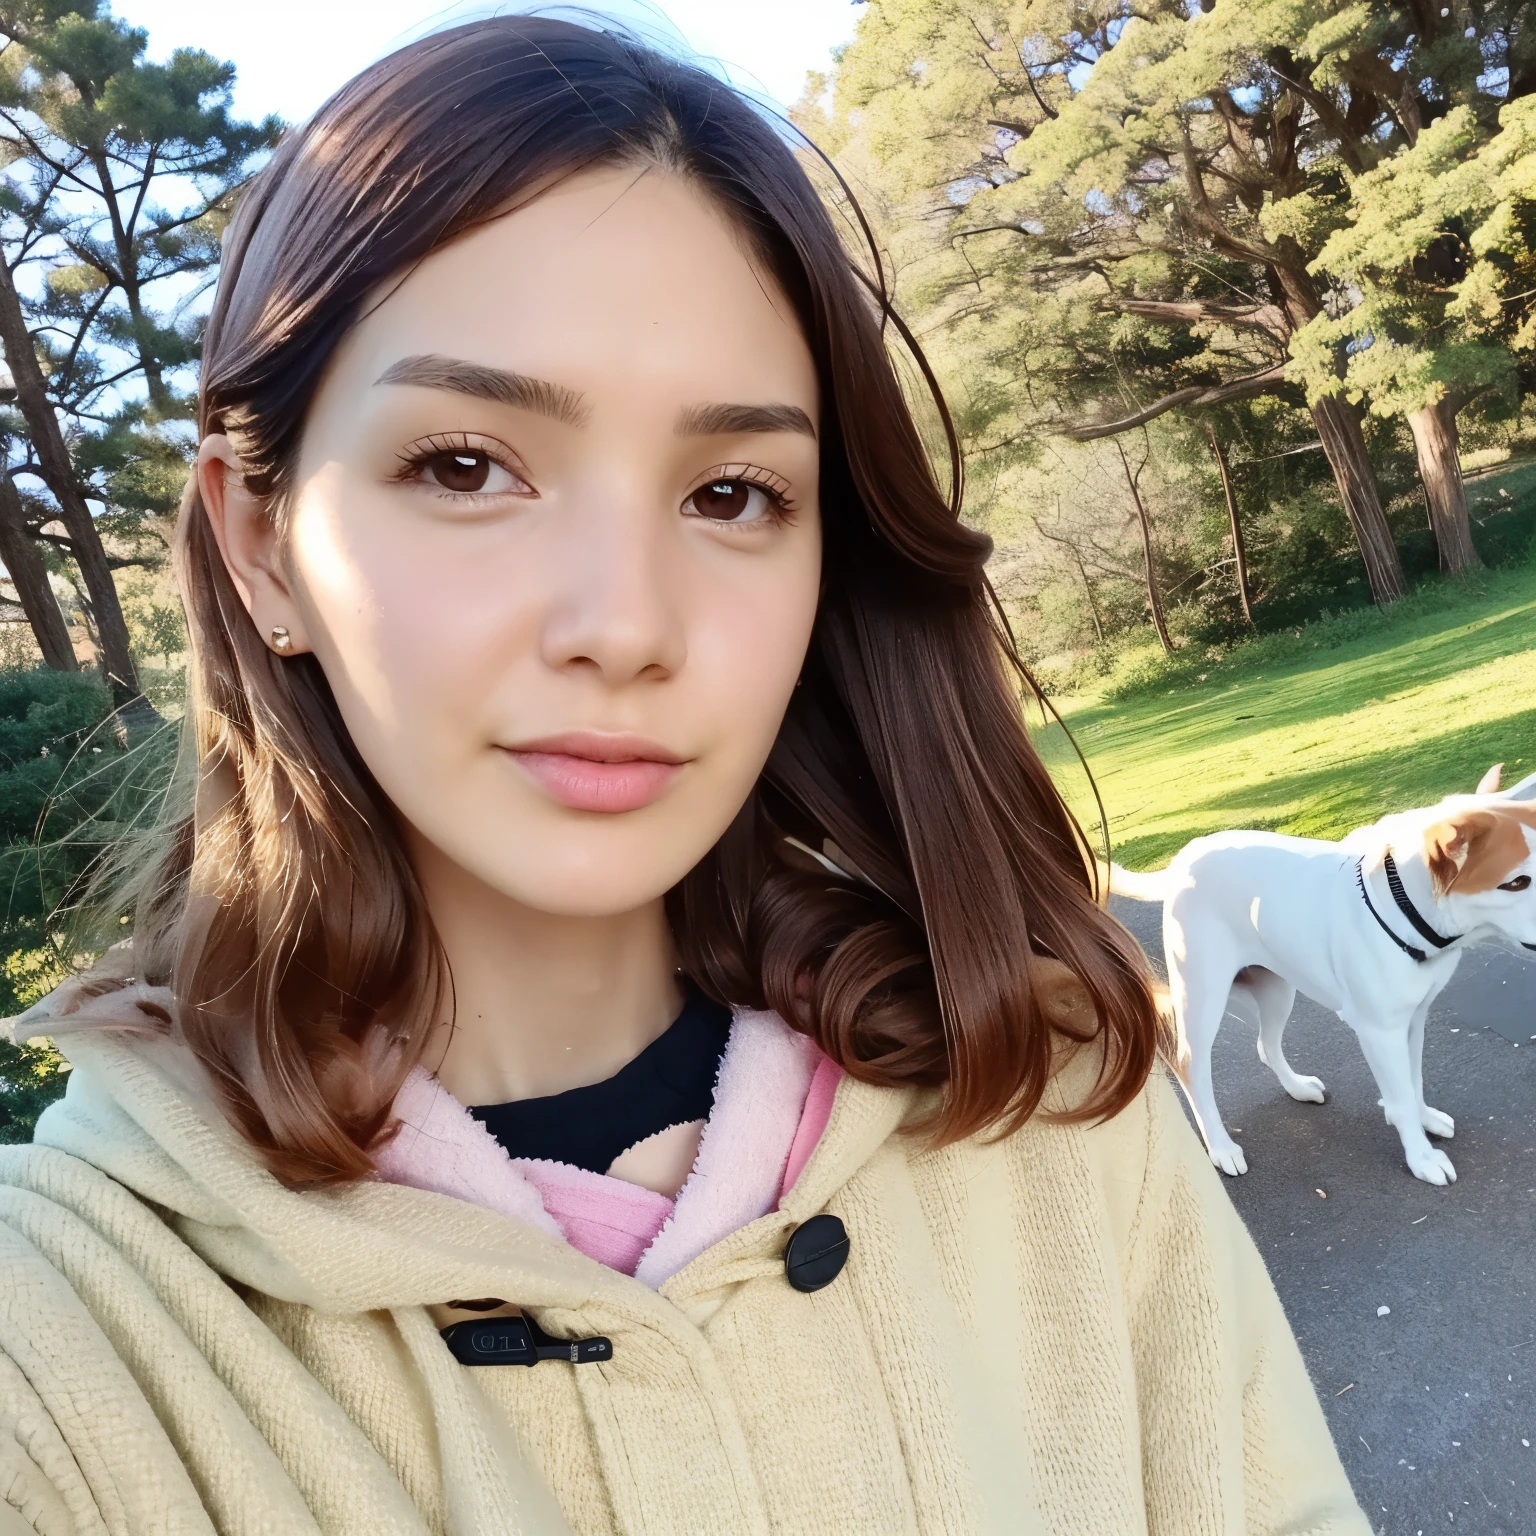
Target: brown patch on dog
(1475,850)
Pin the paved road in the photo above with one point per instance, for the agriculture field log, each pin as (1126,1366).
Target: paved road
(1434,1406)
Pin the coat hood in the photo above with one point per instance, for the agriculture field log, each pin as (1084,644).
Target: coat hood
(139,1108)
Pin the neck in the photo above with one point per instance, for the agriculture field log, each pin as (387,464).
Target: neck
(1419,888)
(541,1003)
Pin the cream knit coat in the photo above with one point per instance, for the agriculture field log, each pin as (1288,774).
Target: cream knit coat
(1066,1331)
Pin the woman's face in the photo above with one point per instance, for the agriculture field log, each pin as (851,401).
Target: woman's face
(555,540)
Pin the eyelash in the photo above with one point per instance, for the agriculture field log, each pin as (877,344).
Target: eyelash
(415,458)
(773,486)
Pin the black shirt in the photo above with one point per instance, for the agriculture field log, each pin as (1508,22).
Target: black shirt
(671,1082)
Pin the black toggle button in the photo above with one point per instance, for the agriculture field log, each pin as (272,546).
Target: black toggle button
(816,1252)
(517,1341)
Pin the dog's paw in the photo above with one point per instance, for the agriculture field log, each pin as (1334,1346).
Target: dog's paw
(1228,1156)
(1307,1090)
(1437,1122)
(1431,1165)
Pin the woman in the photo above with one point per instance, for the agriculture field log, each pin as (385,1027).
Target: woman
(581,644)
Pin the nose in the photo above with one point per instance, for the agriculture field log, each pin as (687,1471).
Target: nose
(615,604)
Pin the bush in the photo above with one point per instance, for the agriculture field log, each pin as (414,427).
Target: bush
(1147,669)
(31,1078)
(70,788)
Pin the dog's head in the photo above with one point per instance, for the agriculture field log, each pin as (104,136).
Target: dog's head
(1483,859)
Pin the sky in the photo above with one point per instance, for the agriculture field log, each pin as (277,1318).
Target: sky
(291,54)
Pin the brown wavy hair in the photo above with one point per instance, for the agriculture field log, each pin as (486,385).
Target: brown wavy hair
(284,911)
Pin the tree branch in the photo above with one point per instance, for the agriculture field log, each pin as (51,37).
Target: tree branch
(1269,318)
(1192,397)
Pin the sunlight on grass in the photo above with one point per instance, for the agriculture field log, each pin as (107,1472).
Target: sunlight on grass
(1314,746)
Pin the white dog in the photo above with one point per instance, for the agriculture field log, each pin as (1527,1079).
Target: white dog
(1371,927)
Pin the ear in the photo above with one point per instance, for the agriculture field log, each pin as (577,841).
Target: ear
(246,535)
(1490,781)
(1448,845)
(1475,850)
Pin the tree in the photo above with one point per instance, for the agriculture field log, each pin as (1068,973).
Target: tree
(31,1078)
(1438,258)
(29,575)
(120,180)
(1144,522)
(1177,168)
(1229,496)
(58,473)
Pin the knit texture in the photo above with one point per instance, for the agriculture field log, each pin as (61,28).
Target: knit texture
(1066,1331)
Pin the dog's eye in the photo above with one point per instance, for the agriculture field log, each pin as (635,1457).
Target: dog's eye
(1519,883)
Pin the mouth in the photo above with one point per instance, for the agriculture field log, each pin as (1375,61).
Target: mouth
(601,771)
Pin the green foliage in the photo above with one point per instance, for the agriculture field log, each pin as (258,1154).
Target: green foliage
(1318,601)
(160,629)
(118,179)
(70,791)
(1099,210)
(1438,247)
(31,1078)
(151,155)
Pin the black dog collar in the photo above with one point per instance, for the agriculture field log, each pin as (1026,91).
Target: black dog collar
(1407,908)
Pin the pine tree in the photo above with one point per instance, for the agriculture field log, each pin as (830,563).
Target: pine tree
(120,180)
(1438,256)
(1104,170)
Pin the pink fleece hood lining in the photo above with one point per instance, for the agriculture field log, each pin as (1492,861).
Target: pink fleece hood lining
(773,1095)
(765,1075)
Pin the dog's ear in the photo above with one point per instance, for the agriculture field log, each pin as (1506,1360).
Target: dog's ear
(1490,781)
(1474,850)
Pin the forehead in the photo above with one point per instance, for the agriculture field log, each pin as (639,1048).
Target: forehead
(621,279)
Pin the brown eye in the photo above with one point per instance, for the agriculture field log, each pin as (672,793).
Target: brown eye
(1519,883)
(466,472)
(462,469)
(732,501)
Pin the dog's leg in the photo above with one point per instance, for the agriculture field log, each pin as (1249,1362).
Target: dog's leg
(1387,1053)
(1198,988)
(1276,997)
(1435,1121)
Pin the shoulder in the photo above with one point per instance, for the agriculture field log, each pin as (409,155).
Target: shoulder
(1113,1178)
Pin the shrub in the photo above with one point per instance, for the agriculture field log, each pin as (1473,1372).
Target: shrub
(70,789)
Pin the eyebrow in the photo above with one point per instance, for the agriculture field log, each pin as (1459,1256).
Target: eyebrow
(729,420)
(433,371)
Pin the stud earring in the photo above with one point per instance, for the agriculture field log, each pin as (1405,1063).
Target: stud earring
(281,639)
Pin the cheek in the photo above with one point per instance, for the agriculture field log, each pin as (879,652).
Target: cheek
(746,652)
(398,620)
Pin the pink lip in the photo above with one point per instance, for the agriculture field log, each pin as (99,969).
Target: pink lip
(598,771)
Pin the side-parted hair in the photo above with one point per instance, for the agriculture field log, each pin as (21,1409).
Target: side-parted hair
(283,909)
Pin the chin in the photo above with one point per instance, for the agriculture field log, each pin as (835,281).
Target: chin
(588,876)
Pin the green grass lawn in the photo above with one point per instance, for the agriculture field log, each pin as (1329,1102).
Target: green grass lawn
(1321,741)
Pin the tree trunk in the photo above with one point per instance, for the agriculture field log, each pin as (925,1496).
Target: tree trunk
(1338,425)
(59,475)
(1093,604)
(1154,597)
(1437,440)
(30,577)
(1239,550)
(128,271)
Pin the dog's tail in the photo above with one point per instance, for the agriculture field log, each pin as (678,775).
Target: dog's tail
(1126,882)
